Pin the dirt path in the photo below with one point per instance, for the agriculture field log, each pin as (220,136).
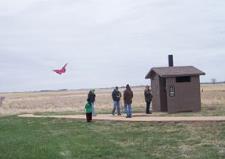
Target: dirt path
(136,118)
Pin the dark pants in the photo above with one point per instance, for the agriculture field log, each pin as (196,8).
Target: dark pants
(89,117)
(148,107)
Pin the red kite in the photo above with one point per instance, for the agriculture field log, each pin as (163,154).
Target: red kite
(62,70)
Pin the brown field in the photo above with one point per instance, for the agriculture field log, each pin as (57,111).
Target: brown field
(72,102)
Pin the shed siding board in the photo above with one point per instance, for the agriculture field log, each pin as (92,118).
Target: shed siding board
(163,95)
(196,93)
(171,101)
(156,93)
(187,95)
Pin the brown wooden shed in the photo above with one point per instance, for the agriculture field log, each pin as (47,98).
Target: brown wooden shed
(175,89)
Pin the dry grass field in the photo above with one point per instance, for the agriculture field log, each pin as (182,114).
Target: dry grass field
(72,102)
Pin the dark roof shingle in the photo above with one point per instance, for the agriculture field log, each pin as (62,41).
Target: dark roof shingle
(174,71)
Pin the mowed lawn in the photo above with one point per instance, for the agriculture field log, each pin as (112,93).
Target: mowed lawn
(28,138)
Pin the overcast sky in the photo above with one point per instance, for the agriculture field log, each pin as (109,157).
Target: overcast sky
(106,42)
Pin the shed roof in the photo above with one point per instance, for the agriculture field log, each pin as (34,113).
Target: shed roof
(174,71)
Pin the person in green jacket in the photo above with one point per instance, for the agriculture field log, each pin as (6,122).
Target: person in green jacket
(88,109)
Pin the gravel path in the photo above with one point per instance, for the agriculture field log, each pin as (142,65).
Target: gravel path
(136,118)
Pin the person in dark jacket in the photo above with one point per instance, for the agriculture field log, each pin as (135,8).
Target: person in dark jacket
(116,95)
(91,99)
(128,96)
(148,99)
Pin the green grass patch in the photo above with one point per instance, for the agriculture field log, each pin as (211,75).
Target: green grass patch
(32,138)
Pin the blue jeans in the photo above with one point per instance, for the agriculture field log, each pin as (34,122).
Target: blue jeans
(116,106)
(129,110)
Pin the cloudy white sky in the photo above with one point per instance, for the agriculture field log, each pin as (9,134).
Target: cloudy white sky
(106,42)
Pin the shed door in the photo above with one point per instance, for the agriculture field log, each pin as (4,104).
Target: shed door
(163,95)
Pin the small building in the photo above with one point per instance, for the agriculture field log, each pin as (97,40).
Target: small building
(175,89)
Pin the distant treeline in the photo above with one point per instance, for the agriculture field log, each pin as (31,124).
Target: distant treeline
(59,90)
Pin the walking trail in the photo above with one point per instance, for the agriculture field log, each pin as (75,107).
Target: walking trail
(138,117)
